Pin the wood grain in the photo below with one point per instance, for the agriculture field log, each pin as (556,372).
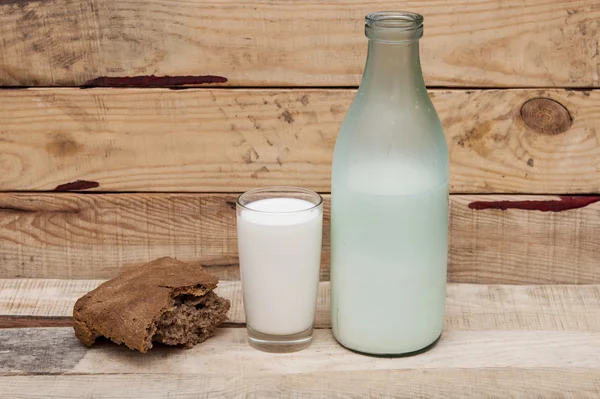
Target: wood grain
(488,43)
(85,236)
(431,383)
(202,140)
(56,350)
(470,307)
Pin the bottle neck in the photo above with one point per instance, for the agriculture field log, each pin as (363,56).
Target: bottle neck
(392,67)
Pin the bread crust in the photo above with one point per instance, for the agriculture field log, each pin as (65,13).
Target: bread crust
(126,309)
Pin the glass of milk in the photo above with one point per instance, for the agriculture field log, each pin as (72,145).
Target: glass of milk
(279,243)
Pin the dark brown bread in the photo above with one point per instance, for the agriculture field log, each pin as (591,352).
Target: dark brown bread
(164,301)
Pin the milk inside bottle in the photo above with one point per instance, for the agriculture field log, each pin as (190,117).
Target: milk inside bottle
(389,212)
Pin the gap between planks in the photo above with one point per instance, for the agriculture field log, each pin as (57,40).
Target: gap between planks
(303,88)
(237,193)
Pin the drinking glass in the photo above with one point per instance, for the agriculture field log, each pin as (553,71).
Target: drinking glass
(279,242)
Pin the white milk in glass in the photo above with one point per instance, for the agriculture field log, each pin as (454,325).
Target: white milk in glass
(389,254)
(280,254)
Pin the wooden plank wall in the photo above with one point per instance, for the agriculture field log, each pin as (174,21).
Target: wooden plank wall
(262,89)
(541,43)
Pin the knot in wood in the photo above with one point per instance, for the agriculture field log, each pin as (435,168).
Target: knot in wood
(546,116)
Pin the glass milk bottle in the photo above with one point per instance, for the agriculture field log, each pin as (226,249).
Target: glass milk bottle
(389,210)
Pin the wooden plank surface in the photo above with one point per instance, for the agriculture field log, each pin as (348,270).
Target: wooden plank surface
(487,43)
(472,307)
(513,341)
(56,350)
(96,236)
(431,383)
(201,140)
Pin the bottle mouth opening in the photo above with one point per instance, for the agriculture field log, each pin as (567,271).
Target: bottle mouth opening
(397,20)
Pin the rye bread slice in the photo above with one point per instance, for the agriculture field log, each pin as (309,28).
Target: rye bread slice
(164,301)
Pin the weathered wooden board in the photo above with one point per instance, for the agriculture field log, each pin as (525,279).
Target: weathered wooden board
(56,350)
(202,140)
(96,236)
(261,43)
(442,383)
(473,307)
(523,244)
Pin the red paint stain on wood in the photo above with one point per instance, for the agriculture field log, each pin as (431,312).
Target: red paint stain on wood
(18,2)
(34,322)
(153,81)
(77,185)
(565,203)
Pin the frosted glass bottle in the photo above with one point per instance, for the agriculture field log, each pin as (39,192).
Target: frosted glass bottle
(389,211)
